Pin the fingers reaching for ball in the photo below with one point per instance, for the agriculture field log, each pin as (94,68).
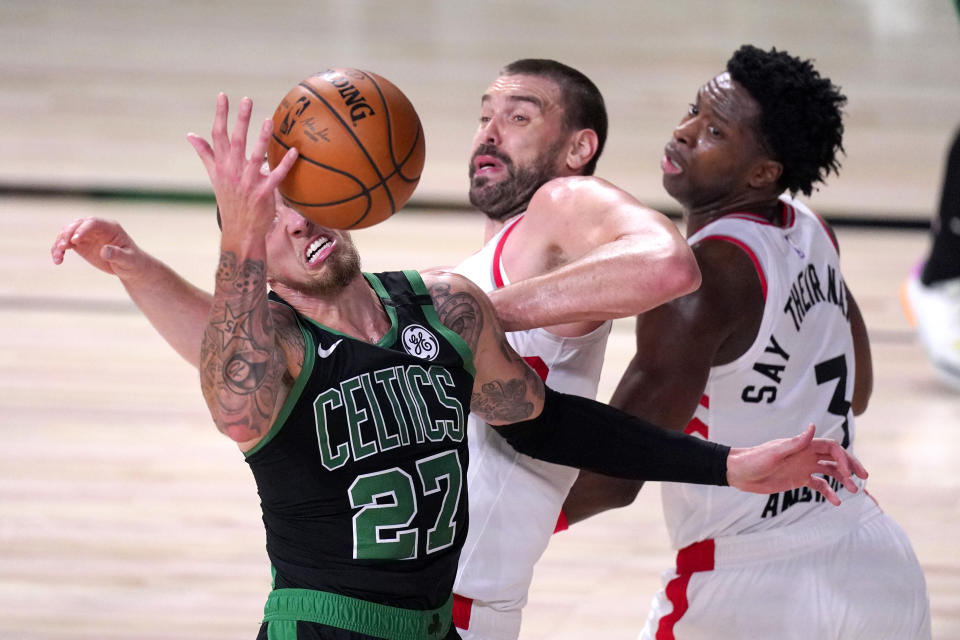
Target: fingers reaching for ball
(245,193)
(345,148)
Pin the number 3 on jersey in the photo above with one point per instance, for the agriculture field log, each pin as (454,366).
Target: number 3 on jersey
(836,369)
(388,505)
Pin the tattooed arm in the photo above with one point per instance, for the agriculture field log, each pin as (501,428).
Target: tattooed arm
(244,367)
(505,389)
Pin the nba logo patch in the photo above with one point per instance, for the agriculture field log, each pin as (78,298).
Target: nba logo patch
(793,245)
(419,342)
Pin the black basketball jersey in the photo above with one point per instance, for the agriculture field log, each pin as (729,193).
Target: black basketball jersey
(362,478)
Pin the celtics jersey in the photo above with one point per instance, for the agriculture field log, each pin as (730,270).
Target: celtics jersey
(362,476)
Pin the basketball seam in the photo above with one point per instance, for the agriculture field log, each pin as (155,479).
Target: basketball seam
(397,166)
(364,190)
(359,143)
(384,179)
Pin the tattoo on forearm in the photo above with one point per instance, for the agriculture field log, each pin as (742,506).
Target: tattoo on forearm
(253,276)
(459,311)
(508,400)
(240,365)
(244,371)
(244,278)
(232,325)
(227,269)
(532,381)
(502,401)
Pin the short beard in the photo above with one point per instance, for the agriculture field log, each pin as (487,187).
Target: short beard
(341,273)
(342,267)
(512,195)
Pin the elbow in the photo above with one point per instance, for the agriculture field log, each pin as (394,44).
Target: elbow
(624,494)
(235,423)
(862,390)
(676,274)
(685,271)
(863,378)
(237,432)
(859,408)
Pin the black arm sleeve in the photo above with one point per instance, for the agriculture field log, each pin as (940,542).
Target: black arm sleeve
(583,433)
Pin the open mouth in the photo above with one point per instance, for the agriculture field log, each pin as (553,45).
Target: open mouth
(668,164)
(488,159)
(318,249)
(485,164)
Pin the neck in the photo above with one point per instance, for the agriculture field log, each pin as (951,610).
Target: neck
(493,227)
(354,310)
(768,208)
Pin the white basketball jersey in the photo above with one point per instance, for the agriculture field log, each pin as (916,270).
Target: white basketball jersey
(799,370)
(514,499)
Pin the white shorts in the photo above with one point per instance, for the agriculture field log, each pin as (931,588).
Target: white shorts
(832,578)
(476,620)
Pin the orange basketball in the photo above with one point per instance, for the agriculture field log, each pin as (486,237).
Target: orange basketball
(360,144)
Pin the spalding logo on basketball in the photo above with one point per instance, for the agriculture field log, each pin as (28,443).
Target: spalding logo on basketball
(360,144)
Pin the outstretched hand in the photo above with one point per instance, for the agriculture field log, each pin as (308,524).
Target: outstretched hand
(102,243)
(789,463)
(245,190)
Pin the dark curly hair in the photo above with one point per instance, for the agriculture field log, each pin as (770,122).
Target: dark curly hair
(801,123)
(583,105)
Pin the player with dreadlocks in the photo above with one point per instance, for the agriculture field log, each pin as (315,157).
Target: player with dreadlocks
(772,338)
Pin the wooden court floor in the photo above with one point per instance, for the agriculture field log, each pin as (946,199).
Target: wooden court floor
(125,515)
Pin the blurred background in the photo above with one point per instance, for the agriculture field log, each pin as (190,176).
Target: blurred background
(100,93)
(123,514)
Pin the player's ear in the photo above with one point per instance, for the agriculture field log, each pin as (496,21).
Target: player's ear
(765,173)
(583,146)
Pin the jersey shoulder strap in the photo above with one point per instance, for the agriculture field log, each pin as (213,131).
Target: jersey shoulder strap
(406,295)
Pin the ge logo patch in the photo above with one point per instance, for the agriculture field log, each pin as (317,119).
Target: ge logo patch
(418,341)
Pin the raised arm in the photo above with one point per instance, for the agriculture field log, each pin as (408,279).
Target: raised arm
(243,367)
(587,251)
(177,309)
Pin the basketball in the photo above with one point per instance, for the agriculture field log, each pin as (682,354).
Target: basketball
(360,143)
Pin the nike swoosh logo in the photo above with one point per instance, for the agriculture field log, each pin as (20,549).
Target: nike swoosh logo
(325,353)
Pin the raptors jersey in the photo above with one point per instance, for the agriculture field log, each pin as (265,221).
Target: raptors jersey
(515,499)
(800,369)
